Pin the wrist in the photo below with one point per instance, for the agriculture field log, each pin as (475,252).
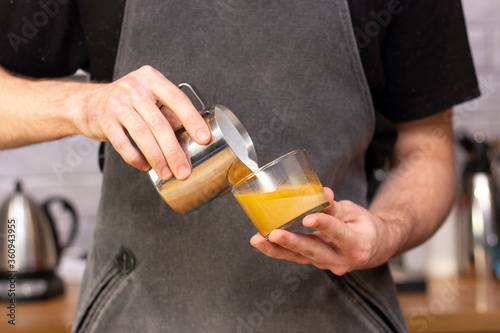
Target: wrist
(77,107)
(389,239)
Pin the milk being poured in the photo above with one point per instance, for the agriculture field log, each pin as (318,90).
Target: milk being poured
(235,140)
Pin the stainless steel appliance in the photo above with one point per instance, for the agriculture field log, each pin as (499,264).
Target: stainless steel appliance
(29,246)
(480,207)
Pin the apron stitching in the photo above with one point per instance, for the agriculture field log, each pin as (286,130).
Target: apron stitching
(103,299)
(93,288)
(369,318)
(92,308)
(369,311)
(371,291)
(360,289)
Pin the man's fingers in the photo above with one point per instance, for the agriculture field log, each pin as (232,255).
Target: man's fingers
(329,193)
(335,208)
(278,252)
(342,241)
(174,99)
(133,103)
(332,227)
(308,246)
(124,147)
(175,123)
(143,137)
(164,136)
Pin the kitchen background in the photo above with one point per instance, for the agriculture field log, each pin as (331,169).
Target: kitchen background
(69,167)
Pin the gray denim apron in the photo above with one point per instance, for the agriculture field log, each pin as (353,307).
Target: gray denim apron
(291,73)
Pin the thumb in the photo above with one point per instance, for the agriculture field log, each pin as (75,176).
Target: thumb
(329,194)
(334,208)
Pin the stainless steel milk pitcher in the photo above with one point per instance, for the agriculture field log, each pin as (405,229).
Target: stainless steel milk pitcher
(229,157)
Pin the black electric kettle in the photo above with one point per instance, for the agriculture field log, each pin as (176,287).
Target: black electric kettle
(29,246)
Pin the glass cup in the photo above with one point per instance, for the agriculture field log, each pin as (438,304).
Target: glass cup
(281,193)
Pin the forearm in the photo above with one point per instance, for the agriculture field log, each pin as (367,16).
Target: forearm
(419,191)
(37,110)
(126,109)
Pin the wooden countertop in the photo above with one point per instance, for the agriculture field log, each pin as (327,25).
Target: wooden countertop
(466,304)
(54,315)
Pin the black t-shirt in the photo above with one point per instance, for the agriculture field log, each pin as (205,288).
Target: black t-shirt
(415,54)
(54,38)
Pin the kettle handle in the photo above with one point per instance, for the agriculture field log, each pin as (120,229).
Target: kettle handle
(74,226)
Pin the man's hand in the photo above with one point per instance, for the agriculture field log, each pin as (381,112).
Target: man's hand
(130,105)
(407,209)
(34,111)
(347,237)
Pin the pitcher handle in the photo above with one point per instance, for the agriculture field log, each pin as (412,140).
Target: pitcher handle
(196,93)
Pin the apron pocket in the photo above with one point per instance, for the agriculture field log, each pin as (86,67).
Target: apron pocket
(117,270)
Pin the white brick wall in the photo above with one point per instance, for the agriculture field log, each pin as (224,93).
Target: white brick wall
(483,24)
